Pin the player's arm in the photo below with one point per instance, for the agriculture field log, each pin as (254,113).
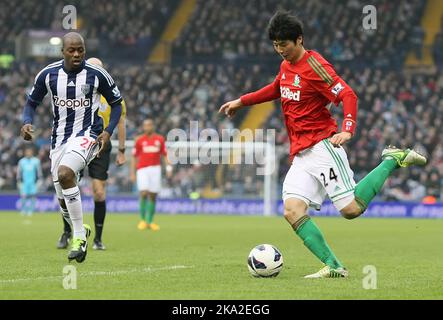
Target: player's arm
(35,97)
(324,78)
(267,93)
(108,89)
(121,134)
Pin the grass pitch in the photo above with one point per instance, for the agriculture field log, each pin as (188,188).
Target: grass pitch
(204,257)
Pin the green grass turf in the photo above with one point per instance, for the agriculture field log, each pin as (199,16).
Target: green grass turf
(213,251)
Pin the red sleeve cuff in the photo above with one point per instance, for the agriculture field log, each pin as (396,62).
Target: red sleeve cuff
(348,125)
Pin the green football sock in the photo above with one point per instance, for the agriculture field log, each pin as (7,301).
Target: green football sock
(142,208)
(151,212)
(370,185)
(313,239)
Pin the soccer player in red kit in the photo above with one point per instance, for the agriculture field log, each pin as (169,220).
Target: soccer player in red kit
(146,158)
(306,85)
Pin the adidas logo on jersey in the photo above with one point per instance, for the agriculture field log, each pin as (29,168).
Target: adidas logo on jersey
(288,94)
(71,103)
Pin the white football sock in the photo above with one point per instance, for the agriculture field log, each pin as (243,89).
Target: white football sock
(73,202)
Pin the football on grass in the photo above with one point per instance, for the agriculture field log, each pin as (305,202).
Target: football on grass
(265,260)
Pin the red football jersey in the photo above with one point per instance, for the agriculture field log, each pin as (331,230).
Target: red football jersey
(148,150)
(306,88)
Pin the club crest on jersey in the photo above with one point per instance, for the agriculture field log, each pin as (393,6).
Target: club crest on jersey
(85,88)
(297,81)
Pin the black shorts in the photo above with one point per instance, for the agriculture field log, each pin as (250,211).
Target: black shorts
(98,168)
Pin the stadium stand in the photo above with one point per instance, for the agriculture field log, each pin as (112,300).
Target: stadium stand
(222,52)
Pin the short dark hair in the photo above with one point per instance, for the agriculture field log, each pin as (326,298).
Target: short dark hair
(285,26)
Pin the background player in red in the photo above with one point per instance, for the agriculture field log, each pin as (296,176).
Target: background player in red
(306,85)
(146,159)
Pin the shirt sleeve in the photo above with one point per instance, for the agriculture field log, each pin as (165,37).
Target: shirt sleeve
(39,90)
(35,97)
(325,80)
(107,88)
(267,93)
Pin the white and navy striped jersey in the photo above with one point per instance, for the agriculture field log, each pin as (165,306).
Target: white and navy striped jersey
(75,99)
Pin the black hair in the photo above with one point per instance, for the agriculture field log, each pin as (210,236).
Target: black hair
(284,26)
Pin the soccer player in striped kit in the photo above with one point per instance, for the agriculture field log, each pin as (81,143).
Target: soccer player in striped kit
(98,172)
(306,85)
(77,135)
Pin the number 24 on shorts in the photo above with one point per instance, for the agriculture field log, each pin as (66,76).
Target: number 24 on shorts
(332,176)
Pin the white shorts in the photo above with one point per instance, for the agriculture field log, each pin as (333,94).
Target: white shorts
(76,154)
(319,171)
(149,179)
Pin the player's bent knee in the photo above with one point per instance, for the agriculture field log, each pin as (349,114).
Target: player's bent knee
(294,209)
(351,211)
(66,176)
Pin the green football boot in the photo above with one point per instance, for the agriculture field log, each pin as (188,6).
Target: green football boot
(404,157)
(328,272)
(79,247)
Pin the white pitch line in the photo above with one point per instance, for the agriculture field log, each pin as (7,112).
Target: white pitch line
(99,273)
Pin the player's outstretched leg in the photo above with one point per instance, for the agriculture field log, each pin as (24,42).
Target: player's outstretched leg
(393,158)
(296,214)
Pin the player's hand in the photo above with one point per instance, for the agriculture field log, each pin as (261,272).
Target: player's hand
(340,138)
(120,159)
(27,132)
(103,139)
(132,177)
(231,107)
